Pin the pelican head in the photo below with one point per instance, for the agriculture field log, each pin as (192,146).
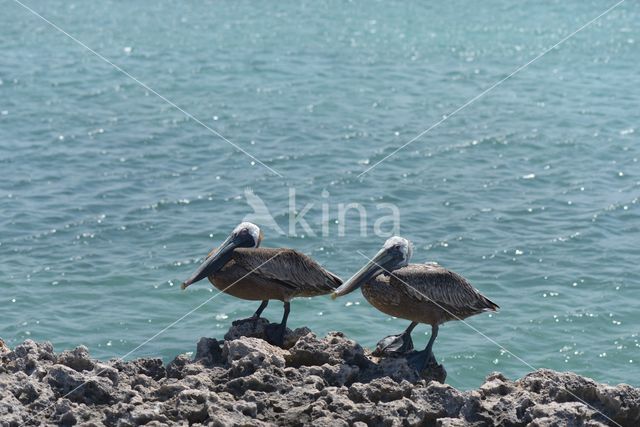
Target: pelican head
(249,228)
(245,235)
(395,254)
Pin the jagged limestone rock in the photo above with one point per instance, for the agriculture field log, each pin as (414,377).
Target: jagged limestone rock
(328,381)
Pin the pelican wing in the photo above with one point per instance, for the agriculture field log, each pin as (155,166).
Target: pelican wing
(288,267)
(446,289)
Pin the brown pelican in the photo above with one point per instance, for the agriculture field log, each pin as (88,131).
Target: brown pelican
(422,293)
(242,269)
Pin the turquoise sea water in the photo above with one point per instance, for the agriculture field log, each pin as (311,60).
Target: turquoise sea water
(110,196)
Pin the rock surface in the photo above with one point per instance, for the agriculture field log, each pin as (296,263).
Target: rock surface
(244,381)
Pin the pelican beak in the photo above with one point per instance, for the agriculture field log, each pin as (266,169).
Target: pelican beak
(381,262)
(217,260)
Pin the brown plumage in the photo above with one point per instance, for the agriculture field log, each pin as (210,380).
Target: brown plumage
(273,274)
(425,293)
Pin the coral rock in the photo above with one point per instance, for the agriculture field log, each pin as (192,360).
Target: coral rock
(331,381)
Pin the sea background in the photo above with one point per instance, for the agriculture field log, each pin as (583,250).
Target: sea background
(109,196)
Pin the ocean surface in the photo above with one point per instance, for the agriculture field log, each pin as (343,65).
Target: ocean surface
(110,195)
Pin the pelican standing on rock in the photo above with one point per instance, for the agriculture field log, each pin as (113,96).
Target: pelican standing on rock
(242,269)
(422,293)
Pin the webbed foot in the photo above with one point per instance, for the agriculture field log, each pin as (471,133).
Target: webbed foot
(420,360)
(394,345)
(253,320)
(275,334)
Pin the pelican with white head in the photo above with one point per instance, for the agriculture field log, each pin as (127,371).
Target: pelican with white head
(240,267)
(422,293)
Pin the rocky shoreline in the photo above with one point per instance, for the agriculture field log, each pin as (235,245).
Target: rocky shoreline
(244,381)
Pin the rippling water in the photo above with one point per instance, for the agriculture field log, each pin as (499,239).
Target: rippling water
(110,196)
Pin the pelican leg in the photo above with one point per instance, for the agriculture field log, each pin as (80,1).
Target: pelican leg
(260,309)
(429,349)
(421,359)
(275,333)
(396,344)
